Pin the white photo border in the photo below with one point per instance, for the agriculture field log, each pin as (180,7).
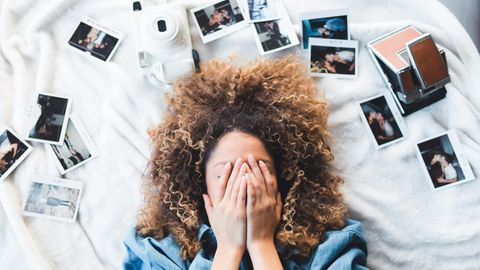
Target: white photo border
(94,23)
(459,153)
(291,35)
(33,102)
(86,139)
(223,32)
(335,43)
(68,183)
(4,128)
(320,14)
(396,115)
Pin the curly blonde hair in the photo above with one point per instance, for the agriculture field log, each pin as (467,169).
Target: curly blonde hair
(273,100)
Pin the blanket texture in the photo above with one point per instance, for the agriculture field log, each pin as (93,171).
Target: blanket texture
(407,225)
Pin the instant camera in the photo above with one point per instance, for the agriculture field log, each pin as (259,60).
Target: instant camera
(163,43)
(412,66)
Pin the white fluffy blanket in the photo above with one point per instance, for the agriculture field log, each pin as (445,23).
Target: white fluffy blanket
(408,226)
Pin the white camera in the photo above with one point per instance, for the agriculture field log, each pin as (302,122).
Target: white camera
(164,46)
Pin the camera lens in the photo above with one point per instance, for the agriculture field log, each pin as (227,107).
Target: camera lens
(162,26)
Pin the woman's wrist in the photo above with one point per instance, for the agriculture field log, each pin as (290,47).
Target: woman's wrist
(264,255)
(227,257)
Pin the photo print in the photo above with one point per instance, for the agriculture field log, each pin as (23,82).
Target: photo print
(54,199)
(77,148)
(383,120)
(13,151)
(47,118)
(275,35)
(263,10)
(333,58)
(95,39)
(218,19)
(443,160)
(331,24)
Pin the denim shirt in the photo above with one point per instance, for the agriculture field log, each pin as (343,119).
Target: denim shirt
(341,249)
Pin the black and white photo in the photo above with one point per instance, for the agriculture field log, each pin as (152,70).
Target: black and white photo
(443,160)
(262,10)
(77,148)
(383,120)
(275,35)
(330,24)
(47,118)
(95,39)
(13,151)
(218,19)
(333,58)
(53,198)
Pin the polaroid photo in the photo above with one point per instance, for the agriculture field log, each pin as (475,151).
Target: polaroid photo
(265,10)
(47,118)
(218,19)
(333,58)
(275,35)
(383,120)
(95,39)
(13,151)
(77,148)
(54,199)
(331,24)
(443,161)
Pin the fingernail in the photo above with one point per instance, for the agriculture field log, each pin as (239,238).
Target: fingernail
(261,163)
(250,157)
(227,164)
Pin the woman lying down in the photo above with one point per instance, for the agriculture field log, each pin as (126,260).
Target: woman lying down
(240,177)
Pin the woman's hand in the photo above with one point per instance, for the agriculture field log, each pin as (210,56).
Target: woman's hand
(227,216)
(263,214)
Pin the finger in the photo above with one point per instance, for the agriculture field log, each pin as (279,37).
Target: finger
(233,176)
(255,186)
(279,205)
(208,205)
(236,187)
(270,183)
(251,196)
(222,183)
(252,163)
(242,193)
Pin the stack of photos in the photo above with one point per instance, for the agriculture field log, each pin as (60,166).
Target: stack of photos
(218,19)
(326,36)
(13,151)
(54,199)
(95,39)
(77,148)
(443,160)
(382,118)
(271,26)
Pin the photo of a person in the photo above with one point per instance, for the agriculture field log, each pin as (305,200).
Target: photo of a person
(94,41)
(440,159)
(334,60)
(329,27)
(218,16)
(50,113)
(273,34)
(74,151)
(264,9)
(381,120)
(244,186)
(12,150)
(53,200)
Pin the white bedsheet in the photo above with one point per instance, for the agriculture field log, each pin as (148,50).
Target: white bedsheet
(407,225)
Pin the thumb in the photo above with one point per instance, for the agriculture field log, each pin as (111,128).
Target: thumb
(279,205)
(208,205)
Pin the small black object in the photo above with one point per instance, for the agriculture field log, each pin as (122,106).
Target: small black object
(196,60)
(137,6)
(162,26)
